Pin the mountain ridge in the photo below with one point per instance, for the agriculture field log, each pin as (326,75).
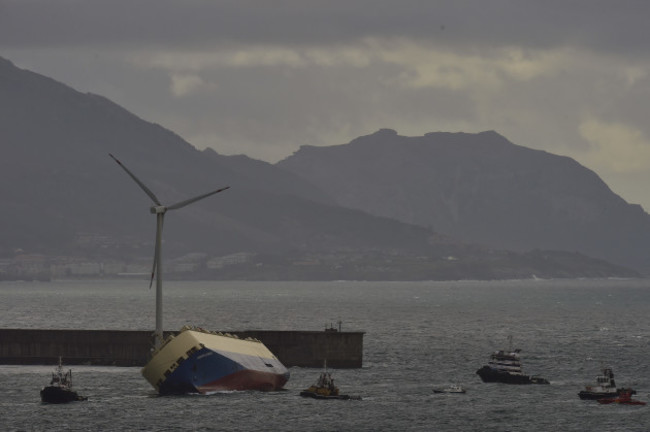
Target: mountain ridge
(480,188)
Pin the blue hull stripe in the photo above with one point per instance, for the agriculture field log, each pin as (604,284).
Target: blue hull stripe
(205,366)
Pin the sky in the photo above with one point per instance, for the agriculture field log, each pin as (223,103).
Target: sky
(263,77)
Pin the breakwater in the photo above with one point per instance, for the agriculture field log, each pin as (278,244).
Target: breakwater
(132,347)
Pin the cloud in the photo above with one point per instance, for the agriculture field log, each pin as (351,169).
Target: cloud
(356,54)
(596,24)
(616,147)
(634,74)
(186,84)
(432,66)
(263,78)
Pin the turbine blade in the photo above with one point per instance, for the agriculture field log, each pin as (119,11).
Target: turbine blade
(191,200)
(153,273)
(156,251)
(142,185)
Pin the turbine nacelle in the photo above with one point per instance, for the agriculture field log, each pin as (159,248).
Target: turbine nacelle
(158,209)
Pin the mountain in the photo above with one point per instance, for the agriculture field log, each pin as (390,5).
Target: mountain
(67,208)
(58,183)
(480,188)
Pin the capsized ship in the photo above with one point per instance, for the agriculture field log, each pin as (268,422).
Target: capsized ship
(199,361)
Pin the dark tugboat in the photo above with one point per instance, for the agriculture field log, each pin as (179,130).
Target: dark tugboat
(505,367)
(605,387)
(324,388)
(60,388)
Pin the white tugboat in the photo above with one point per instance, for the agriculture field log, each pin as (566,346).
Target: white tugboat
(605,387)
(454,388)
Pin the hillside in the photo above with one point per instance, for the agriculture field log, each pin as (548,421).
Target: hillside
(58,182)
(480,188)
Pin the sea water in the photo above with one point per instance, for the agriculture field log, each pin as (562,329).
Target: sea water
(418,336)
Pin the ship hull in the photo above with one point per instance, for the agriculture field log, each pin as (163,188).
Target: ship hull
(594,395)
(57,395)
(587,395)
(202,362)
(490,375)
(315,395)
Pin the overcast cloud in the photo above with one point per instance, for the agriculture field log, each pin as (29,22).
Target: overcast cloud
(264,77)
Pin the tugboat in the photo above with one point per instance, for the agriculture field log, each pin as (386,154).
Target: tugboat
(605,387)
(324,388)
(454,388)
(624,398)
(60,388)
(505,367)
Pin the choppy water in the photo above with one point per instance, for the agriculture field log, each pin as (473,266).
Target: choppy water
(419,335)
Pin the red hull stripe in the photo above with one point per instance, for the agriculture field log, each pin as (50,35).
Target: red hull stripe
(246,380)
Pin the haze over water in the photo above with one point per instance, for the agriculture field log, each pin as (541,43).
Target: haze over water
(419,335)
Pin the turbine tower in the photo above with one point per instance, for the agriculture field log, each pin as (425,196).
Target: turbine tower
(159,210)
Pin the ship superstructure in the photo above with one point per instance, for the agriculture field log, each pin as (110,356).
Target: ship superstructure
(504,361)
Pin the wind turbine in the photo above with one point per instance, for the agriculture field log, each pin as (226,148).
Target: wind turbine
(159,210)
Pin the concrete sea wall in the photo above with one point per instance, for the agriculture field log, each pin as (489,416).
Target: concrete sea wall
(132,347)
